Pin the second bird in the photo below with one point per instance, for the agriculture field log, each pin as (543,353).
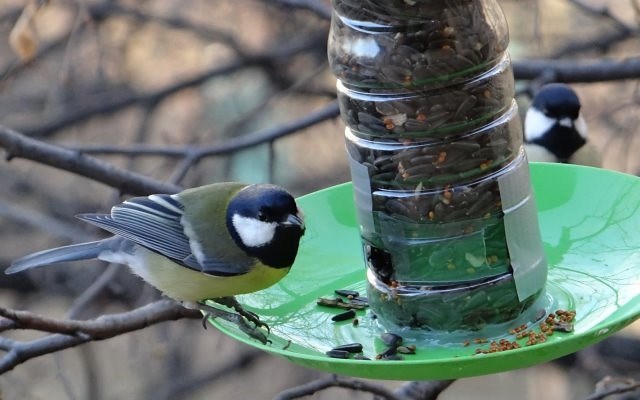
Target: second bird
(555,130)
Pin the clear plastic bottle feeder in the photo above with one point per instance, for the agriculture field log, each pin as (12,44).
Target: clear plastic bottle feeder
(441,183)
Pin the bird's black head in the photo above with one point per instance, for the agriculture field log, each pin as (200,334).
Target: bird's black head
(557,101)
(265,222)
(554,122)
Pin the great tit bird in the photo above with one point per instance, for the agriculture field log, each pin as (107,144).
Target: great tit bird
(554,130)
(209,242)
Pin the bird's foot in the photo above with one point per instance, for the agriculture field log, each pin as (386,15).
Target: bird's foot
(237,319)
(231,302)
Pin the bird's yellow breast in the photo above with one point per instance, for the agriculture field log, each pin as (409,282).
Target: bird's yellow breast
(184,284)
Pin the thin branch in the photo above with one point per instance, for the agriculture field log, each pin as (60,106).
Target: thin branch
(42,221)
(578,71)
(76,113)
(91,292)
(312,387)
(103,326)
(602,42)
(14,65)
(423,390)
(180,388)
(11,14)
(196,153)
(618,388)
(70,333)
(316,6)
(104,10)
(600,12)
(19,146)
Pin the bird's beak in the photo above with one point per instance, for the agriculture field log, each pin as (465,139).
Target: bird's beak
(566,122)
(294,220)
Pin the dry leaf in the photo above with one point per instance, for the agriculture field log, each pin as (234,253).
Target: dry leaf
(23,38)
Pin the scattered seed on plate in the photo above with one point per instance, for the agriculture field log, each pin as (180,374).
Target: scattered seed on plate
(389,351)
(411,349)
(560,321)
(350,347)
(392,357)
(339,303)
(391,339)
(349,314)
(347,293)
(359,300)
(562,326)
(338,354)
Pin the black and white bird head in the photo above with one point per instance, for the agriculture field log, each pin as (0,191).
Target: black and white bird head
(266,223)
(554,124)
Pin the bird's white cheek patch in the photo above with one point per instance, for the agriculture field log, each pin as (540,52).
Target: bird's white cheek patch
(536,124)
(252,232)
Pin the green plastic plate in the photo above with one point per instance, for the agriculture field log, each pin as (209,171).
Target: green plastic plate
(590,223)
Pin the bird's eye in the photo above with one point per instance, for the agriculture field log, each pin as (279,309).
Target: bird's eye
(262,216)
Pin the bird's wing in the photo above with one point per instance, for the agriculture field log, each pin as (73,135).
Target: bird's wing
(154,222)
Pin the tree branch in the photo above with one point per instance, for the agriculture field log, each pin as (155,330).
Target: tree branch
(181,387)
(315,6)
(578,71)
(601,12)
(230,145)
(610,386)
(422,390)
(336,381)
(104,10)
(80,112)
(20,146)
(70,333)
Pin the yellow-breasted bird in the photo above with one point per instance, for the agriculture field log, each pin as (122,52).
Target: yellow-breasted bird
(554,129)
(209,242)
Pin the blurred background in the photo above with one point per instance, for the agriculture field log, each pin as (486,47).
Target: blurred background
(107,76)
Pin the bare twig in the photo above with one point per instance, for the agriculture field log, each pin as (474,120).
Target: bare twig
(613,386)
(336,381)
(91,292)
(603,40)
(20,146)
(73,160)
(423,390)
(182,387)
(108,9)
(14,65)
(578,71)
(316,6)
(70,333)
(600,12)
(80,112)
(197,152)
(102,327)
(42,221)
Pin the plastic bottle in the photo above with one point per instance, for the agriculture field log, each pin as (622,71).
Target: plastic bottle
(441,182)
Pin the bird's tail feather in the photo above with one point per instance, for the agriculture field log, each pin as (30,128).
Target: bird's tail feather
(74,252)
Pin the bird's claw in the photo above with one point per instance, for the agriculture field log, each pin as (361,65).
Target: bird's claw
(231,302)
(239,320)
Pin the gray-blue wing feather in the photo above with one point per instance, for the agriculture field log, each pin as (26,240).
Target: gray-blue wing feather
(154,222)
